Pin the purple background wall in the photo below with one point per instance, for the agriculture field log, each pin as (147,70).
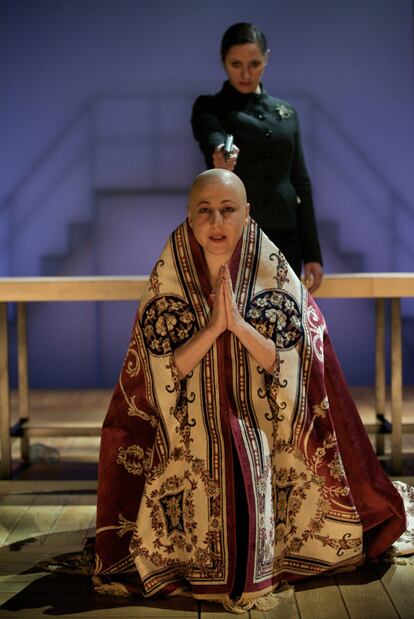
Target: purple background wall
(97,151)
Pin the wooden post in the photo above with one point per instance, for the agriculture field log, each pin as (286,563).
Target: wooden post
(396,387)
(5,467)
(22,371)
(380,381)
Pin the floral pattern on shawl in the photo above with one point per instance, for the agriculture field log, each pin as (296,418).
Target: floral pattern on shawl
(275,314)
(167,322)
(173,505)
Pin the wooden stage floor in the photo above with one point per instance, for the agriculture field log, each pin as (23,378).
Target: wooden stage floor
(50,509)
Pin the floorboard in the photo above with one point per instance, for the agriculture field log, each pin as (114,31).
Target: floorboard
(398,580)
(215,611)
(361,590)
(320,598)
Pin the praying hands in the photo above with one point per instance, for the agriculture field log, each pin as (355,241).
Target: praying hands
(225,316)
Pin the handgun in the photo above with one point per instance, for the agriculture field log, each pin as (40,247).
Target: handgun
(228,146)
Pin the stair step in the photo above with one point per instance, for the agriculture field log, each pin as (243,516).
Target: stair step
(78,233)
(329,233)
(354,261)
(53,264)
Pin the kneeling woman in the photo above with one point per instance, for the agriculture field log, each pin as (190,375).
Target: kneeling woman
(232,456)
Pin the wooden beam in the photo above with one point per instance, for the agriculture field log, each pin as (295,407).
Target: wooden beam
(129,288)
(5,466)
(396,387)
(380,382)
(22,373)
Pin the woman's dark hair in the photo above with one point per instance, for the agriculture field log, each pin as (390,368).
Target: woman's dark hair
(240,33)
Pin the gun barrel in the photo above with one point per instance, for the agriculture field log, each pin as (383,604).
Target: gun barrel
(228,146)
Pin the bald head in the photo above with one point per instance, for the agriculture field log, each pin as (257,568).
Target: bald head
(218,177)
(217,213)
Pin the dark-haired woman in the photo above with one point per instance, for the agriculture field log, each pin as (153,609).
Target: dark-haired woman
(267,153)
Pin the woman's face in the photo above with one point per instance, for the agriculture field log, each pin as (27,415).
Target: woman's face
(217,213)
(244,65)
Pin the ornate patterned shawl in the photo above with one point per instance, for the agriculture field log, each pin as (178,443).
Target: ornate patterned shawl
(307,481)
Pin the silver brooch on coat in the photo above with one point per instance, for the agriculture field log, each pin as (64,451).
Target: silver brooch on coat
(283,112)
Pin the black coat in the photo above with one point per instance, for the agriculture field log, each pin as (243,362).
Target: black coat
(271,164)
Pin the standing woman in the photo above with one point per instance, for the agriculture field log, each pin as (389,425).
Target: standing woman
(267,153)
